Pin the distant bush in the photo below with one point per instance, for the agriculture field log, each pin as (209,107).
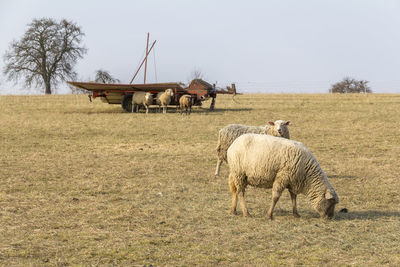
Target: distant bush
(350,85)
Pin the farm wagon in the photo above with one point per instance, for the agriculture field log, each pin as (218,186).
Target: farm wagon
(122,93)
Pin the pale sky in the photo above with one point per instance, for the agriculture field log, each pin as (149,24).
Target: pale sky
(279,46)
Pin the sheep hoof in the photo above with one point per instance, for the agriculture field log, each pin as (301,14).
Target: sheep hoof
(233,212)
(269,218)
(247,214)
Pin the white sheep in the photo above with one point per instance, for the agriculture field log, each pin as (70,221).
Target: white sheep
(185,102)
(164,98)
(141,99)
(158,101)
(229,133)
(270,162)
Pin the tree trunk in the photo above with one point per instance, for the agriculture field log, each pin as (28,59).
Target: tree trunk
(48,88)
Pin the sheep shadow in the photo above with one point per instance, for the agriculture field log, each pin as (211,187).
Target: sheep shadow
(171,110)
(90,112)
(365,215)
(221,110)
(195,110)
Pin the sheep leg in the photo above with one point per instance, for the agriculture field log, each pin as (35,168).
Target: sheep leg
(234,204)
(147,109)
(294,204)
(243,203)
(276,194)
(219,163)
(238,193)
(234,195)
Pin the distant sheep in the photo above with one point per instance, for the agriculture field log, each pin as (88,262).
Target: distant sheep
(229,133)
(141,99)
(164,98)
(270,162)
(185,102)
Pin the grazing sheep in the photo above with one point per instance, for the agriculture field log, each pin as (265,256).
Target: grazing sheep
(270,162)
(229,133)
(141,99)
(164,98)
(185,102)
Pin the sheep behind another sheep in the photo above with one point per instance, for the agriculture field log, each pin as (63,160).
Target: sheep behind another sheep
(229,133)
(269,162)
(185,102)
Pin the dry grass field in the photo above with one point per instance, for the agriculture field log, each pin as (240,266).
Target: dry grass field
(86,184)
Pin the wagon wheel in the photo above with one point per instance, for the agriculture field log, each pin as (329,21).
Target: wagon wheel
(126,103)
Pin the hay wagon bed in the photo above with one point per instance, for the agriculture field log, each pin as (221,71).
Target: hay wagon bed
(122,93)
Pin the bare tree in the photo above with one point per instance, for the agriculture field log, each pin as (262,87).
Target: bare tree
(195,74)
(350,85)
(103,76)
(46,54)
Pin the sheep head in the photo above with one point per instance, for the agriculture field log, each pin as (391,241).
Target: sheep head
(148,96)
(280,128)
(169,92)
(326,205)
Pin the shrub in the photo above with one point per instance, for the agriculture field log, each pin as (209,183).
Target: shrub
(350,85)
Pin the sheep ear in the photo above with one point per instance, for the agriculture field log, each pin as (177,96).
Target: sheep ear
(287,123)
(328,195)
(271,123)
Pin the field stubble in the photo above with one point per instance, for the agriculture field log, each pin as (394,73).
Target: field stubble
(87,184)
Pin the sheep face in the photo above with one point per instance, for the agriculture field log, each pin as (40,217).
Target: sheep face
(281,127)
(147,96)
(170,92)
(326,206)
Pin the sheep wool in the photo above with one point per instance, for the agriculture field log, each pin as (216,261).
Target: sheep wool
(164,99)
(270,162)
(229,133)
(185,103)
(141,99)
